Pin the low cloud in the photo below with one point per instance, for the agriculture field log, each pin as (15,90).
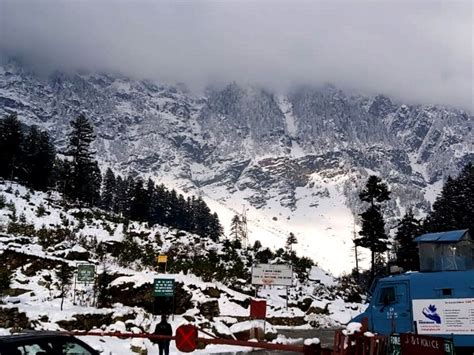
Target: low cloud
(416,51)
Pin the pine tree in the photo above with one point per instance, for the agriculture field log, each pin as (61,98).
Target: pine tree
(407,253)
(150,191)
(138,202)
(171,213)
(108,190)
(454,208)
(36,162)
(257,245)
(120,198)
(372,233)
(84,184)
(11,139)
(290,241)
(235,227)
(64,276)
(215,227)
(375,191)
(203,217)
(94,183)
(157,205)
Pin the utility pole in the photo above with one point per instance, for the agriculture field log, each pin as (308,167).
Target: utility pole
(355,251)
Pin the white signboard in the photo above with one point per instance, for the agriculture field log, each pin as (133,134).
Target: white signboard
(267,274)
(444,316)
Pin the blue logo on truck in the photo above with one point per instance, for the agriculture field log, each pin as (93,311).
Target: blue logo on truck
(431,313)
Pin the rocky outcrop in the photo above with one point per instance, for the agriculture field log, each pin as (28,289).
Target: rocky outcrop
(142,296)
(249,139)
(86,321)
(32,263)
(13,318)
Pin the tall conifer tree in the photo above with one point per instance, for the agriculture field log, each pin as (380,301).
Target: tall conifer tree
(11,139)
(454,208)
(372,233)
(406,249)
(84,181)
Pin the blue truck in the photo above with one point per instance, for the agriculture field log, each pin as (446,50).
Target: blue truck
(436,301)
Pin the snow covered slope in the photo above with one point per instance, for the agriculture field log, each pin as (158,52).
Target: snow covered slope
(35,257)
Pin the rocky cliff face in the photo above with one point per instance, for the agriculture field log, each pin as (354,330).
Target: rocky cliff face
(276,153)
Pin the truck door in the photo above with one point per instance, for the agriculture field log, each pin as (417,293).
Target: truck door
(391,311)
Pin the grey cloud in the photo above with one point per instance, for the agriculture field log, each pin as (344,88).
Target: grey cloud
(417,50)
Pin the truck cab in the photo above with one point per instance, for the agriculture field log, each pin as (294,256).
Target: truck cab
(437,301)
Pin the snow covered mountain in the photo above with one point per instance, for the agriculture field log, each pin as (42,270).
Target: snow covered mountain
(294,160)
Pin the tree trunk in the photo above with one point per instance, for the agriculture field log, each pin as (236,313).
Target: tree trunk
(372,266)
(62,298)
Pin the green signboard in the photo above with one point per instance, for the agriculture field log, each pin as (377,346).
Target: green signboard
(85,273)
(163,287)
(396,349)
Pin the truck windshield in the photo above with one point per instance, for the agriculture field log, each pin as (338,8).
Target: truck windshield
(387,295)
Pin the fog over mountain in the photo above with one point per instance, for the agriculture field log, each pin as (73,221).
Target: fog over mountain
(414,51)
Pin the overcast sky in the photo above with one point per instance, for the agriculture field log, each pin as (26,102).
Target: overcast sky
(413,50)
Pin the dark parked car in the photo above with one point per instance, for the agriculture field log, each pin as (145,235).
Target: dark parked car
(44,343)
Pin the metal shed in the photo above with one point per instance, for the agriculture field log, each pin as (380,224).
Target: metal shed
(446,251)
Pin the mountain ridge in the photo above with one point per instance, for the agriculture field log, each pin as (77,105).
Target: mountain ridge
(285,156)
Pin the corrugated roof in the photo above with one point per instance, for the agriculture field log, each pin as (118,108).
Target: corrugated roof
(450,236)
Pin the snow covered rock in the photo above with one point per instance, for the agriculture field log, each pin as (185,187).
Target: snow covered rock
(209,309)
(254,329)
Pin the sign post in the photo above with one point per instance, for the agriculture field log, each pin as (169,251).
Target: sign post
(162,259)
(269,274)
(85,274)
(164,289)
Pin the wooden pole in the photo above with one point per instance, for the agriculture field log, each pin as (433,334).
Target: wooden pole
(74,292)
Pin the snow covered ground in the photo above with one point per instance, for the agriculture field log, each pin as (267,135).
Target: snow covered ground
(40,296)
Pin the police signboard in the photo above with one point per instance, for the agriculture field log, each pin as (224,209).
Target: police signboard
(163,287)
(268,274)
(85,273)
(444,316)
(401,344)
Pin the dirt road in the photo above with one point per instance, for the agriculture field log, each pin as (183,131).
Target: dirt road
(325,335)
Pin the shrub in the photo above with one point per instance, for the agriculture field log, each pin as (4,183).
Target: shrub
(5,280)
(40,211)
(50,237)
(16,228)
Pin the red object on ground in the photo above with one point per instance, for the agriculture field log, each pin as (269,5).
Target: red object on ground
(186,336)
(258,309)
(419,344)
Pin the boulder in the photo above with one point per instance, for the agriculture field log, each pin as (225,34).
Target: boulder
(318,310)
(212,292)
(245,303)
(305,304)
(209,309)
